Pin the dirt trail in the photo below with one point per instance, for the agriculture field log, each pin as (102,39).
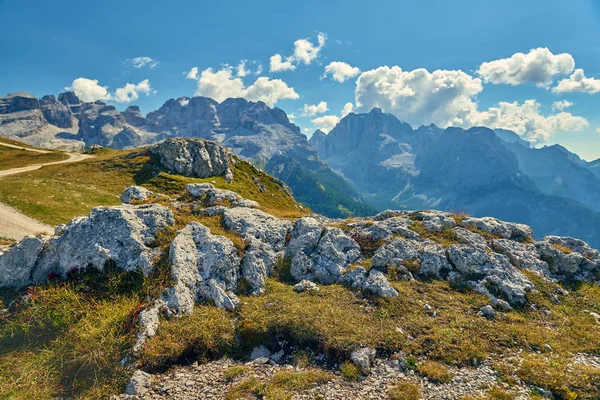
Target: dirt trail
(15,225)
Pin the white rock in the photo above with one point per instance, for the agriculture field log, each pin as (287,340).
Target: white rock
(138,193)
(363,358)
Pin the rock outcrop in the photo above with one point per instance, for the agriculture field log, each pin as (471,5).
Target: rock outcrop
(122,234)
(195,158)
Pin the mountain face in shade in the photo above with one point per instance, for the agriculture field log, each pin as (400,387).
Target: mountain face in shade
(478,171)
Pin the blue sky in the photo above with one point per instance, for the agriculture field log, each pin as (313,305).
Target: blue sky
(47,45)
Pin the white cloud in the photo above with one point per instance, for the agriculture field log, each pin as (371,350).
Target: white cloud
(277,64)
(539,66)
(348,108)
(259,69)
(561,105)
(220,85)
(270,91)
(291,117)
(326,122)
(241,69)
(131,92)
(139,62)
(578,82)
(340,71)
(89,90)
(305,52)
(448,98)
(418,97)
(526,120)
(192,74)
(310,110)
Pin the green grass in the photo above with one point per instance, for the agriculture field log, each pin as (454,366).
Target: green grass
(349,371)
(57,193)
(235,371)
(16,158)
(63,341)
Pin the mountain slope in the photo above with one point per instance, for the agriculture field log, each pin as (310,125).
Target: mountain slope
(207,270)
(477,171)
(254,131)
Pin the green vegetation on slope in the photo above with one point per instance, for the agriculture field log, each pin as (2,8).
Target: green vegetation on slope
(57,193)
(323,190)
(16,158)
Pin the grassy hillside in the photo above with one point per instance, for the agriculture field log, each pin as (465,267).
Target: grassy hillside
(57,193)
(15,158)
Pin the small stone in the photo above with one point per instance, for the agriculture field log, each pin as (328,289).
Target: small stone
(427,307)
(260,352)
(488,312)
(138,384)
(306,286)
(363,359)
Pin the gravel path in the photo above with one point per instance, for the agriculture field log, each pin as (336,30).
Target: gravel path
(207,381)
(14,224)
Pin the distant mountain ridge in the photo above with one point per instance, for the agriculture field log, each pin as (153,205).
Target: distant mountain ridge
(367,163)
(258,133)
(479,171)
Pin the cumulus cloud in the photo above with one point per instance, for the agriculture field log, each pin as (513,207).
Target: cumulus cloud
(221,85)
(539,67)
(291,117)
(348,108)
(419,96)
(578,82)
(131,92)
(192,74)
(310,110)
(448,98)
(139,62)
(340,71)
(277,64)
(561,105)
(305,52)
(90,90)
(526,120)
(241,70)
(326,122)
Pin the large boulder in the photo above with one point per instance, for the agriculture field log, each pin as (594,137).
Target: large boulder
(489,273)
(255,224)
(506,230)
(319,252)
(195,158)
(138,193)
(16,263)
(570,258)
(124,234)
(203,267)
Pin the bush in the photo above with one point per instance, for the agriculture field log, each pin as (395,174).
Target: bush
(405,391)
(350,371)
(435,371)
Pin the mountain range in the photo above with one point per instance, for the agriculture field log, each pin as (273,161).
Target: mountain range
(367,163)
